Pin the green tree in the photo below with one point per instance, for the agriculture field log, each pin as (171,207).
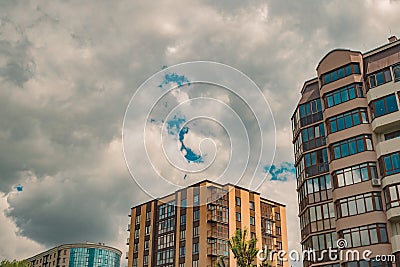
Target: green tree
(14,263)
(244,251)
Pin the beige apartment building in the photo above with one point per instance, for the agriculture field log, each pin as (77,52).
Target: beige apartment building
(346,130)
(190,228)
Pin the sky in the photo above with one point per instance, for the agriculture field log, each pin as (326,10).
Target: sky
(69,69)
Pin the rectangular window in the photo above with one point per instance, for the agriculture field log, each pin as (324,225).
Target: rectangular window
(182,235)
(183,219)
(137,219)
(252,220)
(353,68)
(379,78)
(383,106)
(196,215)
(196,200)
(135,262)
(166,225)
(146,259)
(355,174)
(351,146)
(147,229)
(343,95)
(358,204)
(137,233)
(195,248)
(166,210)
(278,230)
(166,241)
(146,244)
(238,217)
(310,112)
(392,196)
(148,215)
(316,162)
(238,202)
(396,73)
(251,204)
(365,235)
(277,216)
(195,263)
(347,120)
(195,231)
(313,137)
(392,135)
(183,202)
(389,164)
(182,252)
(165,257)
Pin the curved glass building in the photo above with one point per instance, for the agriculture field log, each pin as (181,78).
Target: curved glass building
(78,255)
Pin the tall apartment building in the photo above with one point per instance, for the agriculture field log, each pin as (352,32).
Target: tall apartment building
(77,255)
(190,228)
(347,155)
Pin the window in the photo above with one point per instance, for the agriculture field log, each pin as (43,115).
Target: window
(146,244)
(183,202)
(182,251)
(166,225)
(341,73)
(314,190)
(347,120)
(195,263)
(182,264)
(196,200)
(195,231)
(251,204)
(316,162)
(351,146)
(392,135)
(252,220)
(358,204)
(238,202)
(269,227)
(313,137)
(165,256)
(355,174)
(396,73)
(278,230)
(183,219)
(279,245)
(182,234)
(277,216)
(310,112)
(135,247)
(147,229)
(166,210)
(196,215)
(195,248)
(148,215)
(135,262)
(389,164)
(343,95)
(365,235)
(379,78)
(166,241)
(146,259)
(137,233)
(392,196)
(383,106)
(321,241)
(317,218)
(137,219)
(238,216)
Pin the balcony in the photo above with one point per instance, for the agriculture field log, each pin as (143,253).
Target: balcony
(214,252)
(222,233)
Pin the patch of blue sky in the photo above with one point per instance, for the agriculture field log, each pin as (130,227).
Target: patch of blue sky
(189,155)
(19,188)
(280,172)
(174,78)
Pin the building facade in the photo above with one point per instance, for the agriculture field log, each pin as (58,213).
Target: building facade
(347,156)
(78,255)
(190,227)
